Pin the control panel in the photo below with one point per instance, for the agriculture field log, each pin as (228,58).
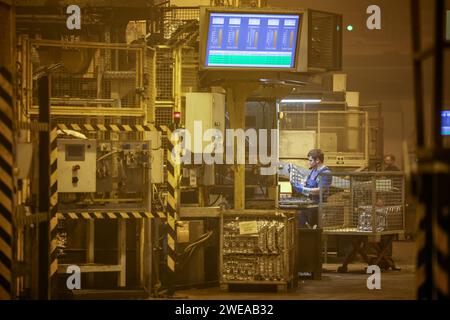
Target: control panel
(77,165)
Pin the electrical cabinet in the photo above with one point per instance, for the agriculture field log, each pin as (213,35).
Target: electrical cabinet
(204,111)
(77,165)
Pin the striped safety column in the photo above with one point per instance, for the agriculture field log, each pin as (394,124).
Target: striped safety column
(53,232)
(173,204)
(424,284)
(6,183)
(424,239)
(441,230)
(432,237)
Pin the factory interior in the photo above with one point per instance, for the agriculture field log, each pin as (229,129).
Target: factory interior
(224,150)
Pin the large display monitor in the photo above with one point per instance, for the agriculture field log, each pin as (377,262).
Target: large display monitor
(445,120)
(251,40)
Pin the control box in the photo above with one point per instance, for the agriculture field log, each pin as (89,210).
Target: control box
(77,163)
(204,111)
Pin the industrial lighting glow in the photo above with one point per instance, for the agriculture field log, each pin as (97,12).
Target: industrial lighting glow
(301,101)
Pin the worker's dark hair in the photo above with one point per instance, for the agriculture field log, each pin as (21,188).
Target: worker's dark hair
(390,156)
(316,154)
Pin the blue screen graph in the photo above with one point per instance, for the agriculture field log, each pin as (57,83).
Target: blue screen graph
(252,40)
(445,118)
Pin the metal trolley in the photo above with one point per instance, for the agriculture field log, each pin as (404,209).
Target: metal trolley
(369,207)
(257,247)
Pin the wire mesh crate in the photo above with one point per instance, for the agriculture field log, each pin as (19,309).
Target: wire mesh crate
(363,203)
(257,247)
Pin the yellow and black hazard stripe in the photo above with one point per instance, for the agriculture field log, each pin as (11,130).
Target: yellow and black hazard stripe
(112,127)
(432,237)
(6,182)
(424,283)
(441,236)
(53,268)
(110,215)
(173,177)
(442,258)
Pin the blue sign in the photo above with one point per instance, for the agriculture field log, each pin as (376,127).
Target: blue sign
(445,119)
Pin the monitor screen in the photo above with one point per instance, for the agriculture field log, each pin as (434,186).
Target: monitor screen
(445,129)
(252,40)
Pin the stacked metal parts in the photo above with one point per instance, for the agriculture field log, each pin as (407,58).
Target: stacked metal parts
(257,248)
(384,217)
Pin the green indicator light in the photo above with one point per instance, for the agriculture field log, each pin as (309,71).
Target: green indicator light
(349,27)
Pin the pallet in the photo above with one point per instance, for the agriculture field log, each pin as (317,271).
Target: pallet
(112,294)
(257,286)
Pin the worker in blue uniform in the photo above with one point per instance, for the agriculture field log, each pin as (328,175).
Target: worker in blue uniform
(312,186)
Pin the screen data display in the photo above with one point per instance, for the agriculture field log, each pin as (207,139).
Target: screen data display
(445,130)
(252,40)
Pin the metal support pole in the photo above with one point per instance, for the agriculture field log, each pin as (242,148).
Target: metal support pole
(44,182)
(173,209)
(237,94)
(418,74)
(6,183)
(438,72)
(430,183)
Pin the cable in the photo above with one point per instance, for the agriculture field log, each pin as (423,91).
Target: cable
(107,155)
(190,249)
(201,239)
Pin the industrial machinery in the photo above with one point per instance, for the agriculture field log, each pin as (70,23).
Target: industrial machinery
(117,90)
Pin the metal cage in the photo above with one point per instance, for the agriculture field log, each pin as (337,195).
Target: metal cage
(363,203)
(92,78)
(342,135)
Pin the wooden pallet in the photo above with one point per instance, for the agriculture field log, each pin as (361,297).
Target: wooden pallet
(257,286)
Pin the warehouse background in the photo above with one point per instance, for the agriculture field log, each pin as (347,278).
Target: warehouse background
(378,62)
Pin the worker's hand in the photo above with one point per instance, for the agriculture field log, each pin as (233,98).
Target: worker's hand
(300,188)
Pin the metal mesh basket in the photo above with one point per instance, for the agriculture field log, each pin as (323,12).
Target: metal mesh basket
(363,202)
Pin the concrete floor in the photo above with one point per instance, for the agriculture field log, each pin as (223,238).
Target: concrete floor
(395,285)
